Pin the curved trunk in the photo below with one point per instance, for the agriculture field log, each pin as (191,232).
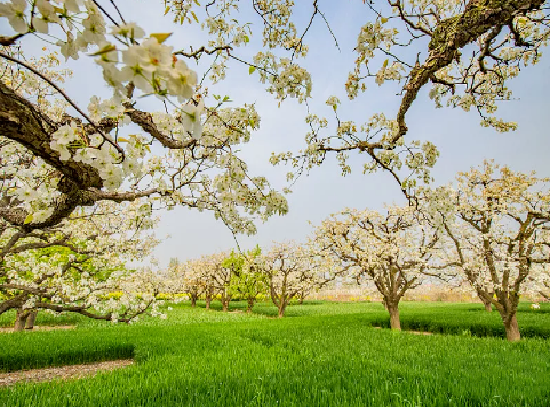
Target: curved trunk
(488,306)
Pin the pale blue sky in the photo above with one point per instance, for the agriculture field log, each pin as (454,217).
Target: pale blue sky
(461,140)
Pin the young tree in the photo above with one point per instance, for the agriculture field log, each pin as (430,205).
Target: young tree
(247,281)
(394,250)
(289,268)
(498,221)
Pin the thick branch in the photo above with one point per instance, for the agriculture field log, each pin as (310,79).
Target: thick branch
(22,122)
(452,34)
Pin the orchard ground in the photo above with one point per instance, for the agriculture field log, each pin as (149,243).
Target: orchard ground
(321,354)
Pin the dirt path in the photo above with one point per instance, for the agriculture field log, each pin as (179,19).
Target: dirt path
(63,372)
(39,328)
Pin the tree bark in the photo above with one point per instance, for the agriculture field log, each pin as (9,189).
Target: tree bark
(282,309)
(488,306)
(20,320)
(250,305)
(225,305)
(511,327)
(395,323)
(208,299)
(31,318)
(193,302)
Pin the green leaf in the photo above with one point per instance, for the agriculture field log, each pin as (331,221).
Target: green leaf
(251,70)
(104,50)
(28,219)
(161,37)
(194,16)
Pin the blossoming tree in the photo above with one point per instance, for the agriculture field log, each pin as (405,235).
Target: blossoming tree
(79,265)
(290,269)
(394,250)
(187,278)
(498,221)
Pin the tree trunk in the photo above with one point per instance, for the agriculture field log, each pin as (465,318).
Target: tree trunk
(193,302)
(488,306)
(29,325)
(282,309)
(225,305)
(511,327)
(394,316)
(208,299)
(20,320)
(250,305)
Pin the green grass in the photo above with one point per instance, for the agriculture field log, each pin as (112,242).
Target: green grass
(35,350)
(436,317)
(323,354)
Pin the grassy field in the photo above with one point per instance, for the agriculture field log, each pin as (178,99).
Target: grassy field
(322,354)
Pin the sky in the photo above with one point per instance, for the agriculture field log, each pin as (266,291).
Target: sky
(462,142)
